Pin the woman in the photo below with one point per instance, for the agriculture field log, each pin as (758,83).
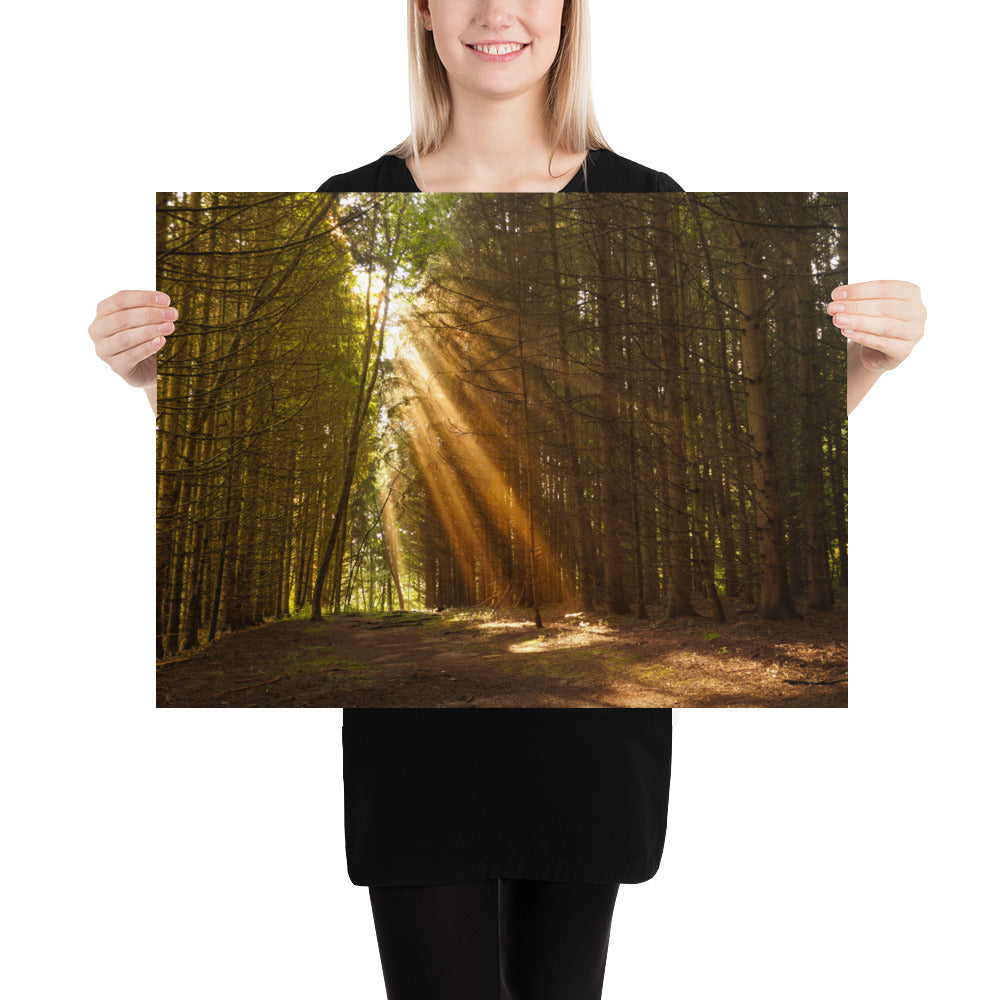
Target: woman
(493,842)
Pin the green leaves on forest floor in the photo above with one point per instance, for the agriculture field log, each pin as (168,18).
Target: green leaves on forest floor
(324,659)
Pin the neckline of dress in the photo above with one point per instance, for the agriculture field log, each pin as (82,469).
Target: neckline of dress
(575,183)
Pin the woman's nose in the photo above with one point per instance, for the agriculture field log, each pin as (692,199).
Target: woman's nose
(496,13)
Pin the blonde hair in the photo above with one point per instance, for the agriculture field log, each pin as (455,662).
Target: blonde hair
(571,120)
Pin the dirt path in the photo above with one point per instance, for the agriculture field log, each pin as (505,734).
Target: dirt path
(478,659)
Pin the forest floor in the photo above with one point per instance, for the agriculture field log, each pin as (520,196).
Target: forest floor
(489,659)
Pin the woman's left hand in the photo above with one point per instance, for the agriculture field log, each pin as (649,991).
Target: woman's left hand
(885,318)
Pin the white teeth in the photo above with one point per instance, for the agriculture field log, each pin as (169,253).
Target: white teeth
(499,50)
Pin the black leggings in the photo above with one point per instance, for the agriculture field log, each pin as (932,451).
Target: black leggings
(501,939)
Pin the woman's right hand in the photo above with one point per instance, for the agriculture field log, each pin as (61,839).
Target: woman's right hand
(128,330)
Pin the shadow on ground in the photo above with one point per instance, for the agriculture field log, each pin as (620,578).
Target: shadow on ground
(480,658)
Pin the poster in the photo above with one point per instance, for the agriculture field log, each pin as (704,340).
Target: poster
(469,450)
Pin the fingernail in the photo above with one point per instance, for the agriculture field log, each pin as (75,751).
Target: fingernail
(840,293)
(837,307)
(161,299)
(170,313)
(165,327)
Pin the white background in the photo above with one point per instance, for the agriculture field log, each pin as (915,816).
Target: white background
(200,853)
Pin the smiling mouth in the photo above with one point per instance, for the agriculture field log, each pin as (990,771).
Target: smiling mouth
(500,50)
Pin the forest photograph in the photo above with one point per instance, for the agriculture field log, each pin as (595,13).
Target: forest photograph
(496,450)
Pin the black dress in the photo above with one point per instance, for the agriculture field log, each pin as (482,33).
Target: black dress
(435,796)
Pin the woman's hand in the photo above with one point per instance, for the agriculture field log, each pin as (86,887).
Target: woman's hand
(128,330)
(882,321)
(884,318)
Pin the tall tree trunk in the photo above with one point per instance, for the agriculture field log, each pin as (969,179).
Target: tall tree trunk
(529,452)
(611,484)
(676,527)
(631,403)
(817,570)
(583,535)
(775,599)
(374,334)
